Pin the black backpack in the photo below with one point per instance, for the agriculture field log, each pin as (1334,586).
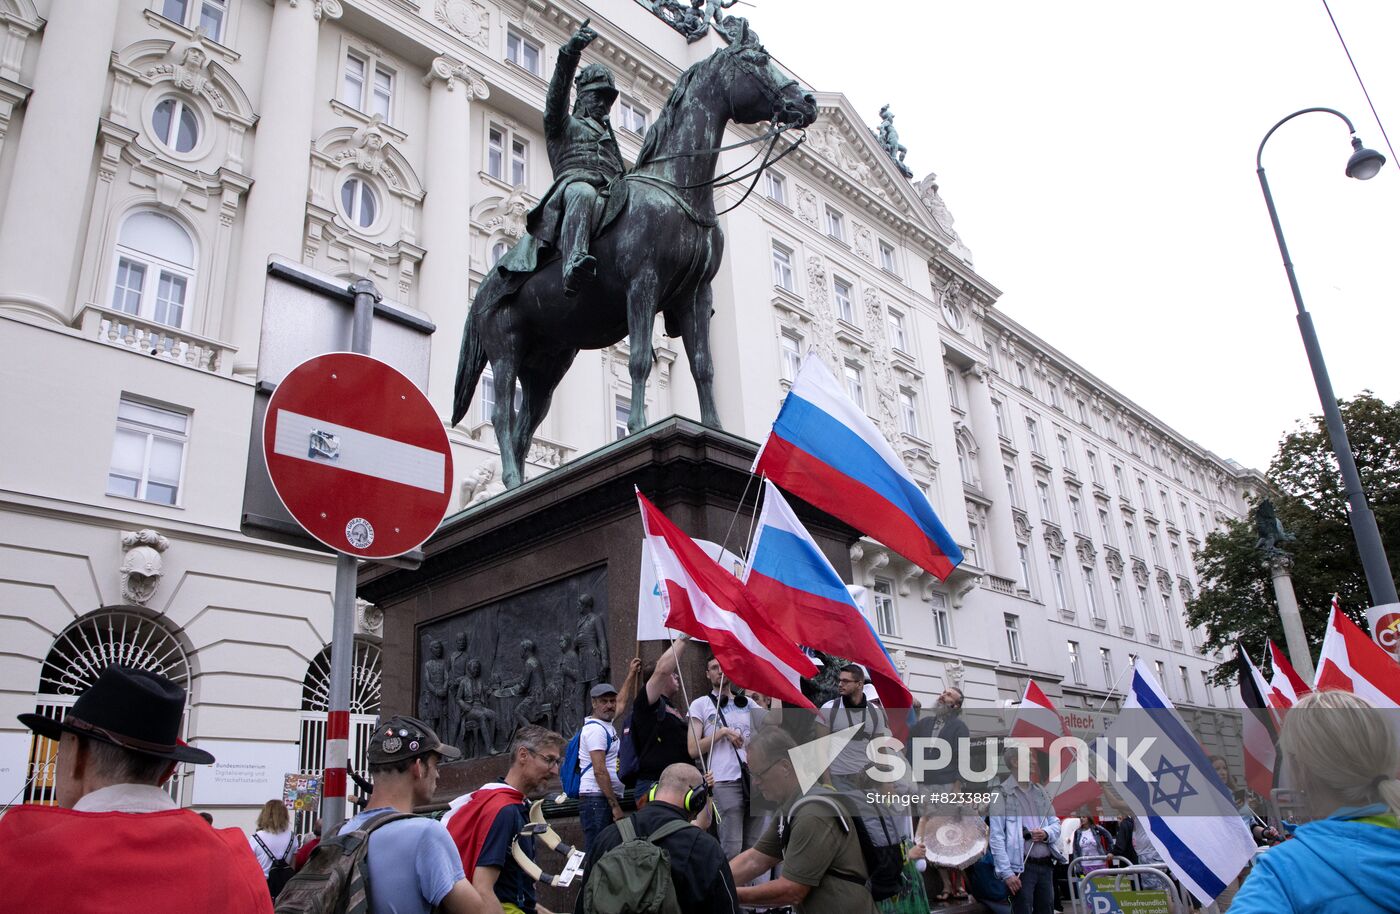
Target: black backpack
(335,879)
(884,863)
(281,870)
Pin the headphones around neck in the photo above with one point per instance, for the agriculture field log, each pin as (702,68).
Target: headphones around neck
(695,798)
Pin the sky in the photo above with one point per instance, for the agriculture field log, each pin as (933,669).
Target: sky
(1098,158)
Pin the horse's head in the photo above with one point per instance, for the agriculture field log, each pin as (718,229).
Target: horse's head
(758,90)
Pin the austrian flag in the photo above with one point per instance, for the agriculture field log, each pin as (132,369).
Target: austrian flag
(705,601)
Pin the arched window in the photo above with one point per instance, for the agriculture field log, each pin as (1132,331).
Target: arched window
(155,268)
(498,250)
(315,702)
(78,655)
(358,202)
(175,124)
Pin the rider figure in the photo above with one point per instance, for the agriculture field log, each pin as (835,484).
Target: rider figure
(583,155)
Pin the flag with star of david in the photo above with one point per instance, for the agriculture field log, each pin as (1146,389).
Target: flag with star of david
(1179,801)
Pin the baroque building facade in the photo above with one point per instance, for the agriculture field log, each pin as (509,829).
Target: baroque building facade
(155,153)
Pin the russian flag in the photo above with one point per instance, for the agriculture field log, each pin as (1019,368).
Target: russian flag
(826,451)
(705,601)
(809,602)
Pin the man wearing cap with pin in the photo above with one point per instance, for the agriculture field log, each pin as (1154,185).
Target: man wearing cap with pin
(116,841)
(599,796)
(413,863)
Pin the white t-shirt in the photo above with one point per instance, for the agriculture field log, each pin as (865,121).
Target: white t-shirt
(724,760)
(597,734)
(277,842)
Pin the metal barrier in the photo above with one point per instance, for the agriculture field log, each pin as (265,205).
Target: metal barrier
(1129,884)
(1077,872)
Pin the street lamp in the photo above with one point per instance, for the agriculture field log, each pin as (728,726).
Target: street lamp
(1363,165)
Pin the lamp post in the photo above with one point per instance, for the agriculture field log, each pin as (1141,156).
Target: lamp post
(1363,165)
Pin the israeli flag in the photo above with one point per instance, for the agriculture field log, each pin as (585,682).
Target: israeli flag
(1183,807)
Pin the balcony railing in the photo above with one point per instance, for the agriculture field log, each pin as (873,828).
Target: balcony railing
(1001,585)
(156,340)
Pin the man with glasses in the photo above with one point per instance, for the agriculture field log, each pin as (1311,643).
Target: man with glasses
(413,864)
(852,708)
(487,822)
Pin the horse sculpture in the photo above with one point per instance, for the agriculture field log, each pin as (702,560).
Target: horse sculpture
(658,246)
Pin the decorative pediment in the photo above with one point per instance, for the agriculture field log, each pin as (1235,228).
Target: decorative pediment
(369,149)
(185,67)
(466,18)
(504,214)
(1054,539)
(1113,559)
(1022,523)
(1084,548)
(1140,573)
(1164,580)
(927,189)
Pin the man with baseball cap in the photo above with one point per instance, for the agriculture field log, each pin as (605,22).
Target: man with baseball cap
(413,863)
(599,788)
(116,841)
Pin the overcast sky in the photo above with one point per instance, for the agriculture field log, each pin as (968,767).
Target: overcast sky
(1099,160)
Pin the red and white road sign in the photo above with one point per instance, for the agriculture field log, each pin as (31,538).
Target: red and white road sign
(358,455)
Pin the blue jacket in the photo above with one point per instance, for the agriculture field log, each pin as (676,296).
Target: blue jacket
(1008,816)
(1332,866)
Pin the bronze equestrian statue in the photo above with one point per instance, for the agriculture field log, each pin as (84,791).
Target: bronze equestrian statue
(529,320)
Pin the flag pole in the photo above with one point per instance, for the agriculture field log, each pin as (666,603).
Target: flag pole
(1113,688)
(724,544)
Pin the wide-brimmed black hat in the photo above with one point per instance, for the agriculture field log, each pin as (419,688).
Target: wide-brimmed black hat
(137,710)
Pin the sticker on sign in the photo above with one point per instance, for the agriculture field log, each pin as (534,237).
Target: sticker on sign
(358,455)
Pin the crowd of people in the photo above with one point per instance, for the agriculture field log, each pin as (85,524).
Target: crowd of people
(724,818)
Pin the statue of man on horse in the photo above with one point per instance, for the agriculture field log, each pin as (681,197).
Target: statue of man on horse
(656,236)
(584,157)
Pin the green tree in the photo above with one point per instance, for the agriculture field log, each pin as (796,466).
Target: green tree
(1236,599)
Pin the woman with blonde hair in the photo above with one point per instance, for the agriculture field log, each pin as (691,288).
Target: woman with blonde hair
(273,845)
(1343,755)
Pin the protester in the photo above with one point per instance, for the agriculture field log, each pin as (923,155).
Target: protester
(944,723)
(412,862)
(720,726)
(659,732)
(309,843)
(599,795)
(1024,838)
(486,823)
(116,841)
(272,840)
(699,869)
(823,867)
(850,709)
(1343,756)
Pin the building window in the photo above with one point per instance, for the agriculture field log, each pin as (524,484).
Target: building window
(884,607)
(1186,685)
(1057,571)
(1155,455)
(836,225)
(1142,493)
(1104,528)
(1000,413)
(1042,493)
(1076,664)
(1076,514)
(622,411)
(1033,436)
(209,15)
(1205,687)
(1120,604)
(1130,528)
(519,161)
(1118,481)
(148,452)
(1091,594)
(1155,542)
(1177,562)
(942,621)
(1023,378)
(358,202)
(155,269)
(1083,410)
(1013,637)
(965,464)
(496,153)
(777,187)
(845,300)
(790,345)
(1023,555)
(487,388)
(887,258)
(632,116)
(908,413)
(782,268)
(1161,669)
(950,377)
(898,338)
(1106,664)
(974,533)
(175,124)
(367,85)
(1186,515)
(1093,459)
(1055,400)
(523,52)
(1066,456)
(1012,490)
(855,384)
(1166,505)
(498,250)
(1149,619)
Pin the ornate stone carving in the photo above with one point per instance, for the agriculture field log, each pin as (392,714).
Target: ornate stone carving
(505,214)
(1054,539)
(910,574)
(141,567)
(826,140)
(888,138)
(432,691)
(466,18)
(954,674)
(886,388)
(369,619)
(1140,573)
(864,245)
(484,483)
(327,9)
(1022,523)
(452,73)
(1084,549)
(366,150)
(594,661)
(901,664)
(807,205)
(1113,560)
(1164,580)
(1188,593)
(823,341)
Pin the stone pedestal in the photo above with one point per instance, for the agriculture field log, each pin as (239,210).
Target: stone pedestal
(1281,570)
(512,569)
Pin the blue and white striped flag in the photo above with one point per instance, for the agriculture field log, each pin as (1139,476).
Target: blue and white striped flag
(1184,808)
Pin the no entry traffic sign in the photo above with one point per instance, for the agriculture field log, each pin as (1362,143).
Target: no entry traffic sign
(358,455)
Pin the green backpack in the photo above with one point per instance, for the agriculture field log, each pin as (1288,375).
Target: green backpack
(635,876)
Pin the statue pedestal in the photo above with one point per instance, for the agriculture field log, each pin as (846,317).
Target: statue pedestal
(514,567)
(1281,570)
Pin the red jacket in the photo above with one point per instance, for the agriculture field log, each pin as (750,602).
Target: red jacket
(172,862)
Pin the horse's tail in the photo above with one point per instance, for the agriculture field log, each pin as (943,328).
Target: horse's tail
(472,360)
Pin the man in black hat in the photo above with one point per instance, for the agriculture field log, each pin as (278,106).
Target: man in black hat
(413,862)
(584,157)
(116,834)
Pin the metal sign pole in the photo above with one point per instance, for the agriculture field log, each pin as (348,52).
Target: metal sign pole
(343,619)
